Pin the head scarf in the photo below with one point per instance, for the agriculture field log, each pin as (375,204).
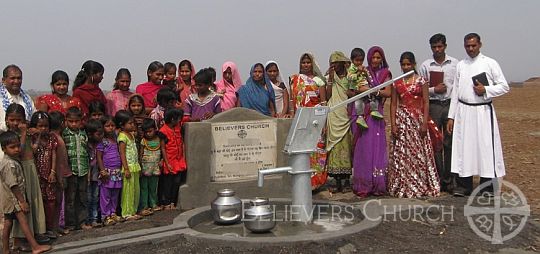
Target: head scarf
(184,94)
(338,56)
(228,90)
(279,77)
(381,73)
(255,96)
(314,65)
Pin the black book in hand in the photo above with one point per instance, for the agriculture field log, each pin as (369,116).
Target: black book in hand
(482,78)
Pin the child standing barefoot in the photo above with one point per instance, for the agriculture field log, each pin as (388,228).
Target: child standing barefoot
(56,125)
(152,149)
(110,172)
(76,196)
(12,187)
(94,130)
(15,121)
(45,160)
(175,165)
(130,164)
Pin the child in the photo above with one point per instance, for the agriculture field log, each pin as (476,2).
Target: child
(358,77)
(136,108)
(15,121)
(94,130)
(117,99)
(205,103)
(96,110)
(169,80)
(56,125)
(45,145)
(175,164)
(12,198)
(130,164)
(149,89)
(152,148)
(166,98)
(79,162)
(110,172)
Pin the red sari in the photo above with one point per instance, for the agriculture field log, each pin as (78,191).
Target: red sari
(88,93)
(149,92)
(412,172)
(51,102)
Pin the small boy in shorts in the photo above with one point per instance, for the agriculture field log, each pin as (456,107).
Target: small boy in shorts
(12,201)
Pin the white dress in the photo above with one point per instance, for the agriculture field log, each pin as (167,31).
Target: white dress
(476,148)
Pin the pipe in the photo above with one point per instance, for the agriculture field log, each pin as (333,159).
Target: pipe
(271,171)
(302,203)
(371,90)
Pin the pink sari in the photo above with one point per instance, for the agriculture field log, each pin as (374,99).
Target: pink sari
(226,90)
(117,100)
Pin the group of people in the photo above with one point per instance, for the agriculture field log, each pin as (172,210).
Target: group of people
(89,159)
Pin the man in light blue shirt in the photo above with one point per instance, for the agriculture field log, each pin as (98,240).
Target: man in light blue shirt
(439,103)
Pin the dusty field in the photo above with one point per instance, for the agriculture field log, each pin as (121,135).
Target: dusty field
(519,120)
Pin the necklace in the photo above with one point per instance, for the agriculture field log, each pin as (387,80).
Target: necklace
(407,80)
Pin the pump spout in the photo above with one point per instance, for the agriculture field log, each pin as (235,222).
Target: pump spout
(271,171)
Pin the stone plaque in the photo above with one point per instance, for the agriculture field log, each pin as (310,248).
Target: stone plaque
(240,149)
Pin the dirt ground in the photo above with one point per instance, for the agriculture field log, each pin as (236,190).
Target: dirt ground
(519,122)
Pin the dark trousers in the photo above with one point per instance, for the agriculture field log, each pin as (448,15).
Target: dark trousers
(438,110)
(76,200)
(466,183)
(169,188)
(93,202)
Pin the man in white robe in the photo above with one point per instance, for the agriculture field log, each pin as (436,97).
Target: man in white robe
(476,148)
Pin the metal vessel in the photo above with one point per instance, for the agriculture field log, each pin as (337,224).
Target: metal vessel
(226,208)
(259,218)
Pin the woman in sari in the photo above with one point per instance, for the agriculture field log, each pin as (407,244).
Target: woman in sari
(412,172)
(308,89)
(280,89)
(227,87)
(257,93)
(86,85)
(339,138)
(370,157)
(59,100)
(186,83)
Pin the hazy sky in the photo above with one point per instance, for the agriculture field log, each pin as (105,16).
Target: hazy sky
(43,36)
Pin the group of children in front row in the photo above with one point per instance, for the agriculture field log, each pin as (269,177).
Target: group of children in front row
(93,166)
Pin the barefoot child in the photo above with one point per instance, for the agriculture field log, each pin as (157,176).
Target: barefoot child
(94,130)
(45,146)
(175,165)
(12,186)
(130,164)
(152,149)
(110,172)
(56,125)
(76,143)
(15,121)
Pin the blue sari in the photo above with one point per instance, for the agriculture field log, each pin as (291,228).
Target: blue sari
(254,96)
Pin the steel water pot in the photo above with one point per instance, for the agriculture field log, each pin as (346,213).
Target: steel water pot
(226,208)
(259,218)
